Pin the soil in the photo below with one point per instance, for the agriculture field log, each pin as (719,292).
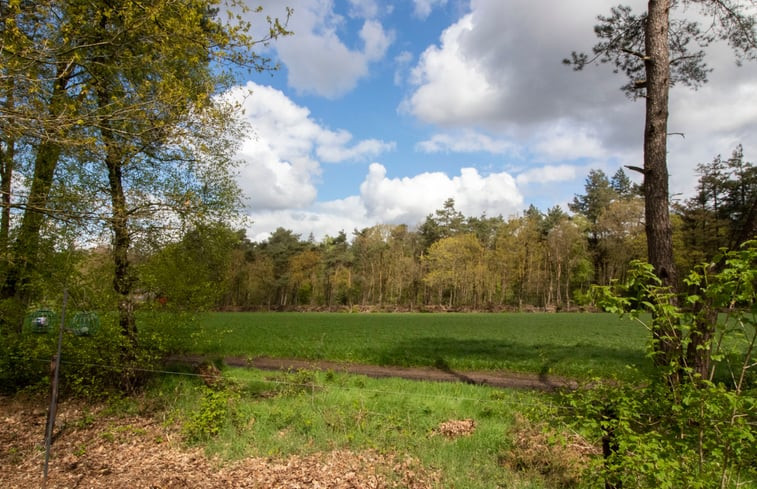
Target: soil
(503,379)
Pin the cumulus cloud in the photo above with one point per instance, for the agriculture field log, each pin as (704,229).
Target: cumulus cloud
(562,141)
(401,62)
(388,200)
(282,157)
(318,60)
(451,88)
(499,67)
(409,199)
(320,220)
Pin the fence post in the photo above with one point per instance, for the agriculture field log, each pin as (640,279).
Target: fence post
(55,372)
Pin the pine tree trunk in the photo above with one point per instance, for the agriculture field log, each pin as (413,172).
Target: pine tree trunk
(657,217)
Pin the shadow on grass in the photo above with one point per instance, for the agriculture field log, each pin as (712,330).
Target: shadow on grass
(580,360)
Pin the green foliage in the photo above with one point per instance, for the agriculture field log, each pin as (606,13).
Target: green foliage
(684,427)
(216,412)
(93,366)
(191,274)
(720,213)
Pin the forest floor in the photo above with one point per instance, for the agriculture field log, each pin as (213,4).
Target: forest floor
(95,449)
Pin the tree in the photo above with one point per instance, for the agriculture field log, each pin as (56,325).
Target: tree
(133,86)
(443,223)
(455,268)
(280,248)
(622,185)
(656,51)
(600,193)
(723,213)
(192,273)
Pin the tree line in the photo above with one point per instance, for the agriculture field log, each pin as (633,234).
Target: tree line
(533,261)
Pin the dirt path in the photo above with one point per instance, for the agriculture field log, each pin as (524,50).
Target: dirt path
(504,379)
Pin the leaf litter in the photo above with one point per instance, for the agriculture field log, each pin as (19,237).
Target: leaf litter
(94,450)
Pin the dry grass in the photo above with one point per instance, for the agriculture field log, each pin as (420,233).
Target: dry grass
(560,458)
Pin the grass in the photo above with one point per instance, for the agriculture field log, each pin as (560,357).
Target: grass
(283,413)
(574,345)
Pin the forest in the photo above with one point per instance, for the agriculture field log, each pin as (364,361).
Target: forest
(535,261)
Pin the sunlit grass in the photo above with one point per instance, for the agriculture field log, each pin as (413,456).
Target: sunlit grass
(284,413)
(575,345)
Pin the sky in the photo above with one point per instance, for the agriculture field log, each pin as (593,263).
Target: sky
(381,111)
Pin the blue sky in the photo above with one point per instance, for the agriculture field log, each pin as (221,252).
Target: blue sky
(383,110)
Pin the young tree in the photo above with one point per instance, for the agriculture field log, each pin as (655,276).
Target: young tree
(656,51)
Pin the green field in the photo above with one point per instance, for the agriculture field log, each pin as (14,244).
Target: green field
(575,345)
(277,414)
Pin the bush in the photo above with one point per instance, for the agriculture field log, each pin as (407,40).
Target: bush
(686,426)
(218,410)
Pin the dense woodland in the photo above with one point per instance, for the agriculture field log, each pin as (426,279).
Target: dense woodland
(534,261)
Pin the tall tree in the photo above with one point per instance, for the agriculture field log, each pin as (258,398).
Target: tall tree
(657,51)
(132,86)
(443,223)
(723,213)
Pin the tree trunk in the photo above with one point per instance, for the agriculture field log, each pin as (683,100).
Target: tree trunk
(23,254)
(122,279)
(657,217)
(7,161)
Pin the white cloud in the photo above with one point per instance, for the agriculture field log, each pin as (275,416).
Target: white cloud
(375,39)
(562,141)
(549,174)
(364,9)
(282,158)
(499,68)
(317,59)
(320,220)
(408,200)
(423,7)
(467,141)
(362,150)
(401,62)
(451,88)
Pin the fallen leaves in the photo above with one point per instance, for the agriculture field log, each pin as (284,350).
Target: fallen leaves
(96,451)
(455,428)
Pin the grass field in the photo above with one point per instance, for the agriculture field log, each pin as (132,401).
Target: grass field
(574,345)
(277,414)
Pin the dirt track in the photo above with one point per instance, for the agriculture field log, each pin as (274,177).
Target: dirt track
(516,380)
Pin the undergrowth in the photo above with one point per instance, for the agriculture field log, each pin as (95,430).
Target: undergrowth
(279,414)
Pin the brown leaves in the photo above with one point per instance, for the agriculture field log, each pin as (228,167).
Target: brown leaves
(96,451)
(456,427)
